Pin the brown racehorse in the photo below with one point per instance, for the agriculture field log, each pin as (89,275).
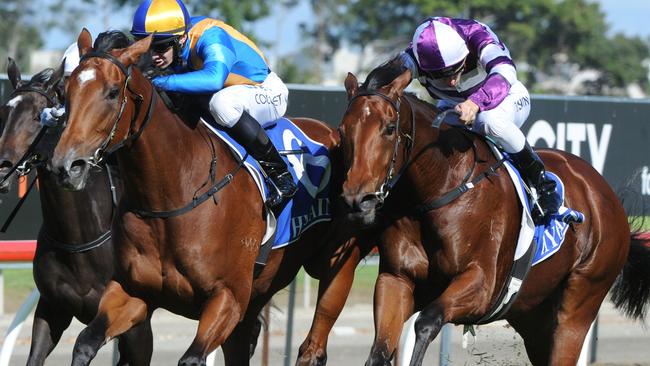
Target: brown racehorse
(198,264)
(74,252)
(451,262)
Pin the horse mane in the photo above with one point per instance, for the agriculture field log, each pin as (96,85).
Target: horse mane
(384,74)
(116,39)
(41,77)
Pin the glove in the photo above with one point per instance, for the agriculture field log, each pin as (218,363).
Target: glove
(160,82)
(50,116)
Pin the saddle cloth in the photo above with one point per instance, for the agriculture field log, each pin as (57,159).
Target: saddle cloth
(549,236)
(308,163)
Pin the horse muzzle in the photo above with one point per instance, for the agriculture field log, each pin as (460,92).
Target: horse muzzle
(71,173)
(363,207)
(5,168)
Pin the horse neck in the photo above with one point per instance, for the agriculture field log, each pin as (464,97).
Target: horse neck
(159,166)
(440,158)
(75,217)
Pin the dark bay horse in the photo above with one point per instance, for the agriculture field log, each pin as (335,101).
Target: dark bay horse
(451,261)
(74,252)
(200,263)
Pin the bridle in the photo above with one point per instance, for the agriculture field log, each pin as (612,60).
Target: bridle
(24,164)
(104,150)
(138,99)
(391,178)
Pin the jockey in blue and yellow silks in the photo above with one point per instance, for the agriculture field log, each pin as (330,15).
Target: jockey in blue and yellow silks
(210,57)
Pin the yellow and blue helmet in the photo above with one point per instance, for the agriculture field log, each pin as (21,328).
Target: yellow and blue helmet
(167,18)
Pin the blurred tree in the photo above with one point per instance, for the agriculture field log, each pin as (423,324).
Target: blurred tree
(18,33)
(237,13)
(541,34)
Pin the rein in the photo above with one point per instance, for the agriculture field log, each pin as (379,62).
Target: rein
(23,164)
(465,184)
(391,178)
(103,151)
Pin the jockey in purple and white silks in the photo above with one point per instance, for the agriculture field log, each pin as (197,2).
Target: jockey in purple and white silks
(210,57)
(463,64)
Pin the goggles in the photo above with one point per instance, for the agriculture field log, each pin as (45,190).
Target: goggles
(164,45)
(448,71)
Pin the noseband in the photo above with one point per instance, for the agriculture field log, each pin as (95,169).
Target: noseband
(103,149)
(391,178)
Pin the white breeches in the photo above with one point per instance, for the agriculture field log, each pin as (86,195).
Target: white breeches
(265,102)
(503,123)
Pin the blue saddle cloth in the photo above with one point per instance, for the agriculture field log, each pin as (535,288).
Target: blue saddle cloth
(309,164)
(550,236)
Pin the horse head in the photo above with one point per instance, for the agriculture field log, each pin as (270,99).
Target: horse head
(22,145)
(373,139)
(103,96)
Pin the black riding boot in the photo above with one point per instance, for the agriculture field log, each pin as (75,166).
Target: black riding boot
(248,132)
(532,169)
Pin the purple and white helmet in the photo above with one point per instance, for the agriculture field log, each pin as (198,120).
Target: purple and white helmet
(439,49)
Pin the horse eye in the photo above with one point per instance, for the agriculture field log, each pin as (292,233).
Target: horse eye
(113,93)
(390,128)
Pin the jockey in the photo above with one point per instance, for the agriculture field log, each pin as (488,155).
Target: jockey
(50,116)
(210,57)
(464,65)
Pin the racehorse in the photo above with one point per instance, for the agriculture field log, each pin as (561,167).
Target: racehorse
(74,252)
(198,263)
(459,239)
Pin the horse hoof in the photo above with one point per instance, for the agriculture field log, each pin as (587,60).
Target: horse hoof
(192,361)
(312,360)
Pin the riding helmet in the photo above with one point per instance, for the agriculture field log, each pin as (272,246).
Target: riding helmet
(439,49)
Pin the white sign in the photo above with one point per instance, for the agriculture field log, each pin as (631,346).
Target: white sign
(570,136)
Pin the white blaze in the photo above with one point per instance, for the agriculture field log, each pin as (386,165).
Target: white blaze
(86,75)
(14,101)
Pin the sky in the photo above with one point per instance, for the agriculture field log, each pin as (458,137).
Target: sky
(281,30)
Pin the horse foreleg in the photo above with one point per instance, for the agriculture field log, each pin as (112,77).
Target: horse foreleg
(136,345)
(118,312)
(219,316)
(333,290)
(394,293)
(49,323)
(240,345)
(465,297)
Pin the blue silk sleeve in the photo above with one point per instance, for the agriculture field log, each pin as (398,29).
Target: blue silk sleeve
(217,52)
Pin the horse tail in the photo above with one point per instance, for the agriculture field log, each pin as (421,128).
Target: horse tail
(631,291)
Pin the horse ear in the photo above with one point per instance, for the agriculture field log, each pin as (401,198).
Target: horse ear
(132,53)
(84,42)
(397,86)
(13,72)
(351,85)
(56,78)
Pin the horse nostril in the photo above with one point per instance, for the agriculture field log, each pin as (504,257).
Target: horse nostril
(77,168)
(5,164)
(368,202)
